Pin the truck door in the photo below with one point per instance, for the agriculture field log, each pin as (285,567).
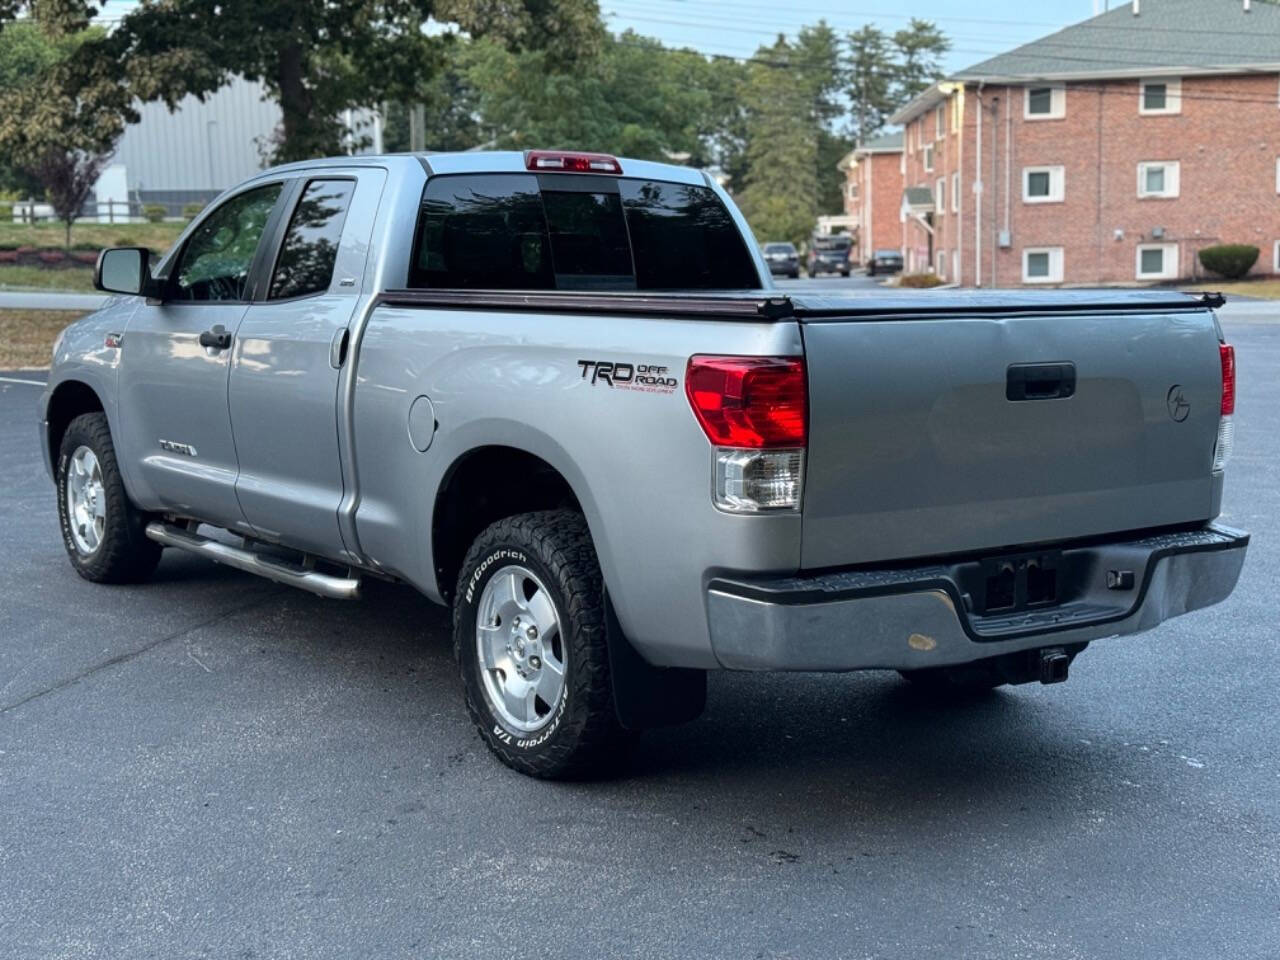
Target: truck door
(175,426)
(289,354)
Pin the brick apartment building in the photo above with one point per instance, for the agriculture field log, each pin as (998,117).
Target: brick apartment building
(873,194)
(1110,152)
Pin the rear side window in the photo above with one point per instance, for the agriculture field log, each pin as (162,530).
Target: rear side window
(501,232)
(684,238)
(310,247)
(484,233)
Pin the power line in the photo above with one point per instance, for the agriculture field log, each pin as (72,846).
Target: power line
(1058,26)
(1108,89)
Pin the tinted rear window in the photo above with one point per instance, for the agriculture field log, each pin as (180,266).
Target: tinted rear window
(500,231)
(482,232)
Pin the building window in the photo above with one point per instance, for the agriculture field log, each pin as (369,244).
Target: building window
(940,195)
(928,157)
(1043,184)
(1160,96)
(1158,179)
(1044,103)
(1277,174)
(1042,265)
(1157,261)
(955,191)
(940,122)
(940,266)
(1275,263)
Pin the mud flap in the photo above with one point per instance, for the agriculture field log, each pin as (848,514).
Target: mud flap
(646,696)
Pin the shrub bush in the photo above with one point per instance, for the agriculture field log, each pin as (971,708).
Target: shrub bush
(191,210)
(154,212)
(920,280)
(6,212)
(1230,260)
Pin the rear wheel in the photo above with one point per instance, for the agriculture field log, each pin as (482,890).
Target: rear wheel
(529,636)
(101,530)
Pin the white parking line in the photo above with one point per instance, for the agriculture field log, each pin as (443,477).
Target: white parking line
(30,383)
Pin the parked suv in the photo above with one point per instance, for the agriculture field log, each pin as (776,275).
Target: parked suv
(829,254)
(783,260)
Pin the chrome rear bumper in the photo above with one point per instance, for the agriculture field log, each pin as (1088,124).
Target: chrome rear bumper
(908,618)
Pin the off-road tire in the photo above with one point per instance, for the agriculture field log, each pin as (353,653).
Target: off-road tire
(124,554)
(584,739)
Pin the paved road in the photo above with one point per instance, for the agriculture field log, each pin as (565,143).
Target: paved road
(212,766)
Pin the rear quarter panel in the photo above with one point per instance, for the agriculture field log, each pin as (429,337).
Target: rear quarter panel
(637,460)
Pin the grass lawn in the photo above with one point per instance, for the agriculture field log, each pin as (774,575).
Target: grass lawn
(1265,289)
(157,236)
(26,336)
(63,278)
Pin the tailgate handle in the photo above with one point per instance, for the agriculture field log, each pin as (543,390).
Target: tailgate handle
(1040,381)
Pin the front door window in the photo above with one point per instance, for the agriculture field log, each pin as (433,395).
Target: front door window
(215,262)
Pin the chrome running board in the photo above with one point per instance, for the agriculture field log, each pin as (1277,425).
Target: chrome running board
(281,571)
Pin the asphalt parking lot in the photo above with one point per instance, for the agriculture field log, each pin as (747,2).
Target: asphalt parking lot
(214,766)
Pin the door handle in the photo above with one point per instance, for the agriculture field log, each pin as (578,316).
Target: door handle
(216,339)
(1040,381)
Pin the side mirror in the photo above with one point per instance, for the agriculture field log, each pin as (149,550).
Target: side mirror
(124,270)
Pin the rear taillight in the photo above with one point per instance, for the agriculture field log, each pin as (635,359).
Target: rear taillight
(1227,353)
(1226,424)
(571,162)
(754,412)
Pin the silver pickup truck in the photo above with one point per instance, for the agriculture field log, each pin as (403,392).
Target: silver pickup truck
(557,392)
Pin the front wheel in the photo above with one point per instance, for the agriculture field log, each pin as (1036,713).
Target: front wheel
(529,636)
(101,530)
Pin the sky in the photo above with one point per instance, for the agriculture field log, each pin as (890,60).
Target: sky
(978,29)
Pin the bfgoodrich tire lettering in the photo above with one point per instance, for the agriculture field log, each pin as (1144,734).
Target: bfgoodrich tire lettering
(579,735)
(121,553)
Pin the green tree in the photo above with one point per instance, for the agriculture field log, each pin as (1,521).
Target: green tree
(780,192)
(871,73)
(918,49)
(59,122)
(820,66)
(317,58)
(634,97)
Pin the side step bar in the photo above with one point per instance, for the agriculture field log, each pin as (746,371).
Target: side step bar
(281,571)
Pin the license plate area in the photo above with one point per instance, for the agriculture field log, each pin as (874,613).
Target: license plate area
(1021,582)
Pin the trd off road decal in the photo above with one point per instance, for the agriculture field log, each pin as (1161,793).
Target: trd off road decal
(645,377)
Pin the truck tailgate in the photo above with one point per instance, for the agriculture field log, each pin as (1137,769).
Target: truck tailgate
(958,433)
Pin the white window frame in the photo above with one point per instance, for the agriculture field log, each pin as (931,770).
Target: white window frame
(1057,102)
(940,263)
(1172,96)
(1275,263)
(1172,178)
(955,189)
(1055,264)
(1169,269)
(940,195)
(928,157)
(940,121)
(1057,184)
(1277,174)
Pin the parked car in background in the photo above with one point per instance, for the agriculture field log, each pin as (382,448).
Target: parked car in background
(829,255)
(884,261)
(783,259)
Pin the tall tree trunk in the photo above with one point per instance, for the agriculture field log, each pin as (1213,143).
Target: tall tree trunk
(305,135)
